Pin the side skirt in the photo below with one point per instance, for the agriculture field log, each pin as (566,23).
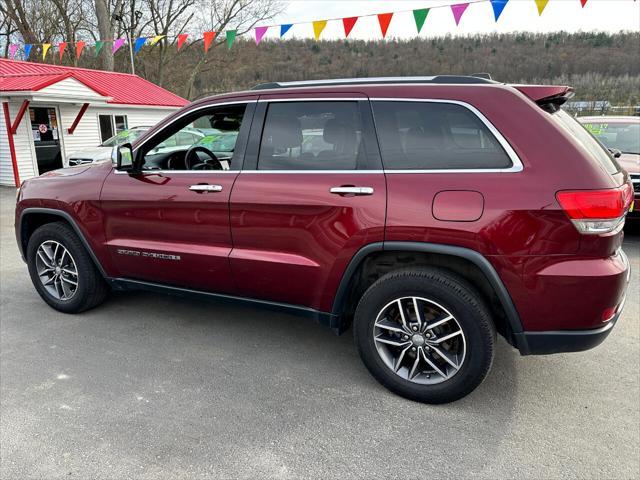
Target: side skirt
(323,318)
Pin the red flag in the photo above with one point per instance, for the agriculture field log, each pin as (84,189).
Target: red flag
(181,39)
(61,47)
(583,3)
(348,24)
(79,46)
(384,19)
(208,38)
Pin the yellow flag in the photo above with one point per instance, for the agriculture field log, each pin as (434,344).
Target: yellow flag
(541,5)
(45,49)
(156,39)
(318,27)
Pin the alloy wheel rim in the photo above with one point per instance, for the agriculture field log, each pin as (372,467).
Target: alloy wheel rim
(57,270)
(419,340)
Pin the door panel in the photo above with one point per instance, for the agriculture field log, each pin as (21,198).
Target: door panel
(159,230)
(292,236)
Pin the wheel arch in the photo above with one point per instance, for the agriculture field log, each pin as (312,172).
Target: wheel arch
(468,263)
(34,217)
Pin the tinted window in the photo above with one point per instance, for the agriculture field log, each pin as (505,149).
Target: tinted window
(588,142)
(435,136)
(312,136)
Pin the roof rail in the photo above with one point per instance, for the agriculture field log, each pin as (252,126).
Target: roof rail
(436,79)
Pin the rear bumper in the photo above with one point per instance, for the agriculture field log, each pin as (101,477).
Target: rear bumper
(563,341)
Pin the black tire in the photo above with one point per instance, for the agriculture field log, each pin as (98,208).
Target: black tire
(449,291)
(91,290)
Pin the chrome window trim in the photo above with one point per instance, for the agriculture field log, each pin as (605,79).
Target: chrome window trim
(511,153)
(198,172)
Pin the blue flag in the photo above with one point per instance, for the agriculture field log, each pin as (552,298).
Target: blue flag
(285,28)
(27,50)
(139,43)
(498,6)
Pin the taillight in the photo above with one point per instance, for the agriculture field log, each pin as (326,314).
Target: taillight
(597,211)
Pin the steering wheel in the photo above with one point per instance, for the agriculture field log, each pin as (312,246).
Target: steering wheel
(193,162)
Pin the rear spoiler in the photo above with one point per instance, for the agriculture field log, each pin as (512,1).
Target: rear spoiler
(548,97)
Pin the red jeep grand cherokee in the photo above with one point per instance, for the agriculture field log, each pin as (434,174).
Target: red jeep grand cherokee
(429,212)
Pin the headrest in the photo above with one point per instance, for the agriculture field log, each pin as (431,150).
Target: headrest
(338,132)
(283,131)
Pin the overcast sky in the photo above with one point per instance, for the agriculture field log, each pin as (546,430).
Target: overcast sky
(518,15)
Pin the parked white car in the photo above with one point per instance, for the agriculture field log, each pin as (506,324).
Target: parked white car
(102,152)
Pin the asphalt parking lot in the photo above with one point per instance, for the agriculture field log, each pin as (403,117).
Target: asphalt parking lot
(152,386)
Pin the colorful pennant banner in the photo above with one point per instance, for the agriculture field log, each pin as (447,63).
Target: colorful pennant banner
(318,26)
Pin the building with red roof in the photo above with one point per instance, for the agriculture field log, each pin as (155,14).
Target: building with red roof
(50,111)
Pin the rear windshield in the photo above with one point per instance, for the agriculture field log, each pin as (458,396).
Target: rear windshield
(588,141)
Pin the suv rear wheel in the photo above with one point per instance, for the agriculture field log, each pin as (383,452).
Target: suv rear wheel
(425,334)
(62,271)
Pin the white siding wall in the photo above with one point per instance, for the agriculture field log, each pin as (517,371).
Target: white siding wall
(87,133)
(70,87)
(23,145)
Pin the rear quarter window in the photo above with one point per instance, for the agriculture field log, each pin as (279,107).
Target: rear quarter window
(435,136)
(593,147)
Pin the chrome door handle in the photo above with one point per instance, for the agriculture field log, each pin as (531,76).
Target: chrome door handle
(205,188)
(351,190)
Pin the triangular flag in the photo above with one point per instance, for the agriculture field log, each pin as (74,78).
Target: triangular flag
(208,38)
(61,47)
(181,39)
(45,49)
(583,3)
(156,39)
(139,43)
(117,43)
(541,5)
(420,16)
(99,45)
(498,6)
(318,27)
(285,28)
(458,10)
(79,46)
(231,37)
(384,19)
(260,31)
(348,24)
(13,48)
(27,50)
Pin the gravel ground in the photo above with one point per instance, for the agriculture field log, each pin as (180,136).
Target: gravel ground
(151,386)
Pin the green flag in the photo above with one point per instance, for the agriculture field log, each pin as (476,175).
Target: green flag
(231,37)
(420,16)
(99,45)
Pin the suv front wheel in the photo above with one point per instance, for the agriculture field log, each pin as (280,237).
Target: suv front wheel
(425,334)
(62,271)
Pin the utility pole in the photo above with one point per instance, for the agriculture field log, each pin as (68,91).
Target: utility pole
(136,15)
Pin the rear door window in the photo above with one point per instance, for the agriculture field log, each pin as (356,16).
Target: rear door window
(435,136)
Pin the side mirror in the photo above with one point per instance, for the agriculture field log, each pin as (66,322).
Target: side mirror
(122,157)
(615,152)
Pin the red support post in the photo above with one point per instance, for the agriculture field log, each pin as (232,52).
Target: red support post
(23,108)
(73,126)
(12,148)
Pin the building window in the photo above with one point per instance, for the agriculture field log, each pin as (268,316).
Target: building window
(111,125)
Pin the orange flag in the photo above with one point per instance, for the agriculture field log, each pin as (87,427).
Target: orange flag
(208,38)
(384,19)
(61,47)
(79,46)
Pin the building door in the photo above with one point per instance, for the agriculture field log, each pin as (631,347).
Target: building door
(46,138)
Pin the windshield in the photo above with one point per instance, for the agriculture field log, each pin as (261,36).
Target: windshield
(126,136)
(623,136)
(219,141)
(588,141)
